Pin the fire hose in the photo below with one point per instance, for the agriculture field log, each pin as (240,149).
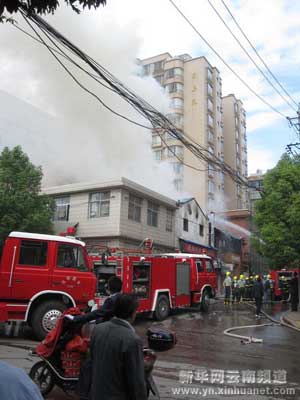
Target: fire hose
(251,339)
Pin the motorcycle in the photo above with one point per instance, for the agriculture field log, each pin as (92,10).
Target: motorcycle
(62,368)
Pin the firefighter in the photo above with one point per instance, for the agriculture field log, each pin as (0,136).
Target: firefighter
(235,290)
(267,289)
(241,283)
(250,293)
(285,289)
(246,291)
(227,287)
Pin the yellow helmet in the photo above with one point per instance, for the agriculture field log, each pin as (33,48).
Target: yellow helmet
(241,276)
(227,273)
(256,276)
(251,277)
(268,276)
(235,278)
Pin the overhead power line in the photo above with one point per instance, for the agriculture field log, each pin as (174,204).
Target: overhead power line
(250,57)
(225,62)
(156,118)
(258,55)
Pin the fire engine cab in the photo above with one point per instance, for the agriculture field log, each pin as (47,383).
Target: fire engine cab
(161,281)
(282,279)
(41,276)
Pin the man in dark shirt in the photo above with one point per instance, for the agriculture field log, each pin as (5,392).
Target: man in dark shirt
(258,292)
(117,356)
(104,313)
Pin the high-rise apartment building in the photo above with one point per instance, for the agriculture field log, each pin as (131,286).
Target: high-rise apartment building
(235,151)
(195,90)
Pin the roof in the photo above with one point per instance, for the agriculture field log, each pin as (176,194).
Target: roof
(190,199)
(111,184)
(40,236)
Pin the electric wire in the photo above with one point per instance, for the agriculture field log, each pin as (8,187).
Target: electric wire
(249,55)
(157,119)
(257,53)
(225,62)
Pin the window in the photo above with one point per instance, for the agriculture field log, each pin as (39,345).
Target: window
(177,168)
(210,136)
(211,186)
(210,120)
(146,69)
(185,224)
(174,150)
(176,102)
(171,73)
(134,208)
(199,265)
(209,90)
(209,266)
(69,256)
(210,105)
(174,87)
(157,155)
(33,252)
(209,74)
(211,170)
(158,66)
(178,184)
(152,214)
(211,149)
(156,140)
(176,119)
(169,221)
(62,208)
(159,79)
(99,204)
(201,230)
(141,280)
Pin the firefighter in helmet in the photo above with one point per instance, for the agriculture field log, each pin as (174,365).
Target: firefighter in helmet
(227,288)
(241,283)
(235,290)
(251,283)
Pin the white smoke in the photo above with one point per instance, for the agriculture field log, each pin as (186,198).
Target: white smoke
(70,134)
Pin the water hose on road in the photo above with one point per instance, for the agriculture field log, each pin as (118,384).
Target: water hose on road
(245,339)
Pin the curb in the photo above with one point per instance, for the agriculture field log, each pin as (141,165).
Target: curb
(289,322)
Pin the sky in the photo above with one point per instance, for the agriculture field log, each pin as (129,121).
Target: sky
(273,28)
(115,35)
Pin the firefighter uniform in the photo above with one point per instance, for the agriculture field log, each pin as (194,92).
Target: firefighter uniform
(241,283)
(227,287)
(250,293)
(235,290)
(268,288)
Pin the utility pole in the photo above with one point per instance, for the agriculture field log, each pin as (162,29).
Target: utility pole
(294,123)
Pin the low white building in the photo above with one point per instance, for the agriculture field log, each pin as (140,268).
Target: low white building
(193,231)
(118,213)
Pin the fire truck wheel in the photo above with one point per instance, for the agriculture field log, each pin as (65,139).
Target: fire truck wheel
(42,376)
(45,317)
(204,306)
(162,308)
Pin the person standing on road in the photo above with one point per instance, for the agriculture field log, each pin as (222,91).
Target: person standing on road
(227,287)
(258,292)
(235,290)
(15,384)
(267,289)
(294,292)
(117,356)
(241,283)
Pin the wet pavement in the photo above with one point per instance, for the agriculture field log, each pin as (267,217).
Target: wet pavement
(205,363)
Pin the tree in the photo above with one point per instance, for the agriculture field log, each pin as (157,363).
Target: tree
(277,214)
(45,6)
(22,206)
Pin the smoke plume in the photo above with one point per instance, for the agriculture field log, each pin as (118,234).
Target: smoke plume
(64,129)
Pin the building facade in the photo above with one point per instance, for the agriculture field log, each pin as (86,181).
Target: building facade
(195,90)
(117,213)
(235,151)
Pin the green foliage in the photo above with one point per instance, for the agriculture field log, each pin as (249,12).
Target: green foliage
(22,207)
(277,214)
(45,6)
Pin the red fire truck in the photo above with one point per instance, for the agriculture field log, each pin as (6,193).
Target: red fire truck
(41,276)
(161,281)
(281,279)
